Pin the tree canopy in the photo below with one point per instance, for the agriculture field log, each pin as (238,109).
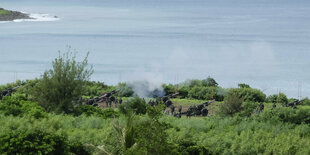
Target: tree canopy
(62,86)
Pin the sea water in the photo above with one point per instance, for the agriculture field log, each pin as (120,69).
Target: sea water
(264,43)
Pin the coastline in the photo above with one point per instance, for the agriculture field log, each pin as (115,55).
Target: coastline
(8,15)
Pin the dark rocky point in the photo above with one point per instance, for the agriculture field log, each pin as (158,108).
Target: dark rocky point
(8,15)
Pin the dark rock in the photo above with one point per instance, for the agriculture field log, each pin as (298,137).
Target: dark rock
(13,15)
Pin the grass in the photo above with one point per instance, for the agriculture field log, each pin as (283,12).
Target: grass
(186,102)
(4,12)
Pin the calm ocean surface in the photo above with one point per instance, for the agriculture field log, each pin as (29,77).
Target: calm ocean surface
(265,43)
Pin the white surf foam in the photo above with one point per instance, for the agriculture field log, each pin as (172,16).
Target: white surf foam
(36,17)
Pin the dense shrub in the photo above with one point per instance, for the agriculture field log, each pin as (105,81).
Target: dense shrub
(286,114)
(150,135)
(96,88)
(125,90)
(136,104)
(243,85)
(232,104)
(206,89)
(205,93)
(63,85)
(249,94)
(183,92)
(306,101)
(18,106)
(33,142)
(170,88)
(89,110)
(248,108)
(209,82)
(278,98)
(186,147)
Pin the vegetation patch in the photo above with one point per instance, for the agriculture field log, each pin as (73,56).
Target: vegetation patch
(4,12)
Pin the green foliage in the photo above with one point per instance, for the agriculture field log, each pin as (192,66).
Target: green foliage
(4,12)
(305,101)
(272,98)
(243,85)
(33,142)
(247,109)
(136,104)
(18,106)
(170,88)
(205,93)
(27,86)
(89,110)
(9,85)
(278,98)
(232,104)
(150,135)
(183,92)
(209,82)
(249,94)
(286,114)
(94,88)
(125,90)
(282,99)
(186,147)
(62,86)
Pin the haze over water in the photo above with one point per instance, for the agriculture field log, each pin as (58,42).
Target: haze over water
(265,43)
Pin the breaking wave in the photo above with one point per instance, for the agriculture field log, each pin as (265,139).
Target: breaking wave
(36,17)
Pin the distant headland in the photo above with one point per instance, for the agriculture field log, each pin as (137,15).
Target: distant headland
(8,15)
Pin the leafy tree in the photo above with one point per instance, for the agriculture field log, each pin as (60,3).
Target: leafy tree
(183,92)
(282,99)
(170,88)
(232,104)
(272,98)
(193,83)
(243,85)
(61,86)
(249,94)
(278,98)
(209,82)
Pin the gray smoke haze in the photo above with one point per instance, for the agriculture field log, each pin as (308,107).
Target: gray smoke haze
(229,64)
(146,84)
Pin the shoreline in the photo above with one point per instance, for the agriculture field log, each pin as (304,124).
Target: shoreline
(9,15)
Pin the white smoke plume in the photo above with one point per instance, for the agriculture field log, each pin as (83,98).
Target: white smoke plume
(146,84)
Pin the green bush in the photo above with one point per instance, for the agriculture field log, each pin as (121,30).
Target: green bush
(89,110)
(186,147)
(286,114)
(205,93)
(247,109)
(209,82)
(33,142)
(183,92)
(232,104)
(150,135)
(278,98)
(62,86)
(249,94)
(125,90)
(136,104)
(18,106)
(305,101)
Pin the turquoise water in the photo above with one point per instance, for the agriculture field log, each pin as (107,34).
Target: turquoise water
(264,43)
